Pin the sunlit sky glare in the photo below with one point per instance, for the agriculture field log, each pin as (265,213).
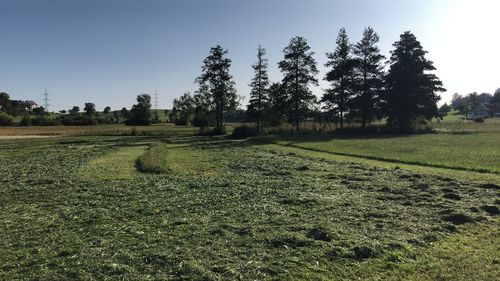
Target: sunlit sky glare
(108,51)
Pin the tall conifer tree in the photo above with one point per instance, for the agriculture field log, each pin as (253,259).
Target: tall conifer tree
(259,95)
(341,77)
(411,90)
(216,82)
(369,71)
(299,71)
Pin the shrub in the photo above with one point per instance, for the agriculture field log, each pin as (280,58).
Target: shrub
(5,119)
(208,131)
(244,132)
(181,122)
(78,120)
(43,121)
(104,120)
(479,120)
(138,122)
(25,121)
(133,132)
(200,122)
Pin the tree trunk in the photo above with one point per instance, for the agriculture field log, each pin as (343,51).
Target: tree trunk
(341,120)
(297,116)
(260,106)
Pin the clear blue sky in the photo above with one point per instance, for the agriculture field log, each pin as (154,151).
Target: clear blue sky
(108,51)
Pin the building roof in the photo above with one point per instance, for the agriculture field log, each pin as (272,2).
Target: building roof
(33,103)
(492,108)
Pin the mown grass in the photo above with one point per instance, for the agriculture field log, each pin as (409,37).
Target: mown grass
(475,152)
(115,165)
(470,255)
(257,213)
(100,130)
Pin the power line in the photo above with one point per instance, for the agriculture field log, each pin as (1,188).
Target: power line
(156,100)
(46,100)
(156,114)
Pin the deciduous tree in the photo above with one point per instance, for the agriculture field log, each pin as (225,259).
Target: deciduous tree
(496,97)
(75,110)
(186,107)
(89,109)
(140,114)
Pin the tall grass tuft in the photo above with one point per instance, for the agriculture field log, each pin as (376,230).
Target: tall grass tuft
(154,160)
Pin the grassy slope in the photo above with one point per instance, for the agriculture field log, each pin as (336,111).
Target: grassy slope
(475,152)
(261,213)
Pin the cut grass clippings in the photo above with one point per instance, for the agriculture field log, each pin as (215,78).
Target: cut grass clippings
(229,210)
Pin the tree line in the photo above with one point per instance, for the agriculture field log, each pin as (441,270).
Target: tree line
(32,114)
(364,86)
(360,87)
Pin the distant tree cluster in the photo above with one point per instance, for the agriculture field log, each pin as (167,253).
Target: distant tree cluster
(361,90)
(31,114)
(17,107)
(10,109)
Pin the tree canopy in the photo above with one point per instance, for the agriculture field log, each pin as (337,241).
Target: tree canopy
(89,109)
(411,90)
(338,98)
(369,77)
(299,72)
(259,95)
(216,83)
(140,114)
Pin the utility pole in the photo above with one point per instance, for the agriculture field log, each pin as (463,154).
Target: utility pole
(156,114)
(46,100)
(156,100)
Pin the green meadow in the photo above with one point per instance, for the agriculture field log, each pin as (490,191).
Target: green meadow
(184,207)
(478,152)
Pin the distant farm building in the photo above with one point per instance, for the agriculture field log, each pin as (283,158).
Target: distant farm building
(32,104)
(484,111)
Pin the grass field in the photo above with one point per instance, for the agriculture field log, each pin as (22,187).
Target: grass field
(182,207)
(99,130)
(472,152)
